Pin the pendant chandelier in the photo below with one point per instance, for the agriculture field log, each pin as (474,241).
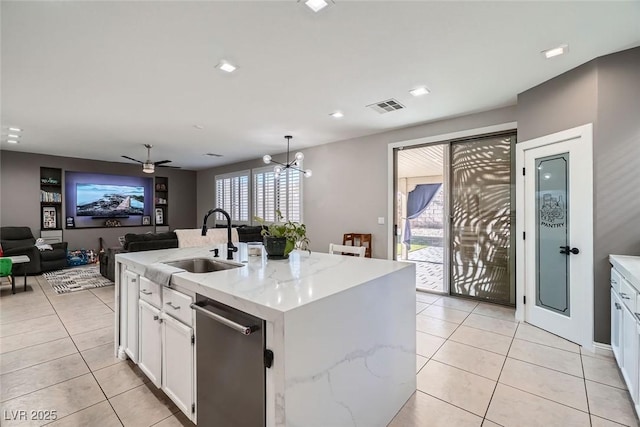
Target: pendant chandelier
(293,164)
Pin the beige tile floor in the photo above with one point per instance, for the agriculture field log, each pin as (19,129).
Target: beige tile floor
(476,366)
(56,353)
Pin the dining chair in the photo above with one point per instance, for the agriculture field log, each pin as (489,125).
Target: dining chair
(344,249)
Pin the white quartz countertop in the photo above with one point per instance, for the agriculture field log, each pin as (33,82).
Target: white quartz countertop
(629,267)
(269,287)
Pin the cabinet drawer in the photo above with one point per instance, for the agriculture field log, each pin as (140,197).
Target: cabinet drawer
(616,279)
(150,292)
(628,295)
(177,305)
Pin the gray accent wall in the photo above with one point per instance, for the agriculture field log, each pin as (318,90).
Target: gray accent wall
(605,92)
(348,190)
(20,195)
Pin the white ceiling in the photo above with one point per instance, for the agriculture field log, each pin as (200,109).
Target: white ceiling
(99,79)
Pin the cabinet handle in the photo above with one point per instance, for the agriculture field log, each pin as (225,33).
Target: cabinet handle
(144,291)
(175,307)
(155,317)
(133,280)
(618,307)
(624,296)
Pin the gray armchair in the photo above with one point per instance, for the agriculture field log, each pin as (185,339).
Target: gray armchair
(20,241)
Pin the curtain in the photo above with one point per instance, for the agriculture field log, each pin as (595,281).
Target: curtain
(417,201)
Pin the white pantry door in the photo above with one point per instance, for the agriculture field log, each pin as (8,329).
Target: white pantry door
(555,207)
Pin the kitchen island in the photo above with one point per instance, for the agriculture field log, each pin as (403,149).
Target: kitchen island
(340,329)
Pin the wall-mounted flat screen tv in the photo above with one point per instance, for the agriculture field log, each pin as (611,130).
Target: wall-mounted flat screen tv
(104,200)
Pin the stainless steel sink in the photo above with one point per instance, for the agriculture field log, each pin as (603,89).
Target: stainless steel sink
(203,265)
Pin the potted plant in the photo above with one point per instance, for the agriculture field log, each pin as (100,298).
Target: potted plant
(280,238)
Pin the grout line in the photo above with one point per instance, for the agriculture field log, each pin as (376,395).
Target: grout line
(484,330)
(43,388)
(586,393)
(551,346)
(449,403)
(546,367)
(39,363)
(500,374)
(68,415)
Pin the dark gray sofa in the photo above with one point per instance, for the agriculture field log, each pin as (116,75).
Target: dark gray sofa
(135,243)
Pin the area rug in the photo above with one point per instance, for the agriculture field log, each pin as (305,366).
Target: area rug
(76,279)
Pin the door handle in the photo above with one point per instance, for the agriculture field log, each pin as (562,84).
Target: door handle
(568,250)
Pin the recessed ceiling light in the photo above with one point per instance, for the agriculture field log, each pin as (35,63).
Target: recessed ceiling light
(419,91)
(15,129)
(12,141)
(316,5)
(198,127)
(226,66)
(556,51)
(337,114)
(13,136)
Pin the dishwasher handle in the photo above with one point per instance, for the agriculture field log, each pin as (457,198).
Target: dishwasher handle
(245,330)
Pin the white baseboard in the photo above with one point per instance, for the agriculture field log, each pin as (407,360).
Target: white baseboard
(602,349)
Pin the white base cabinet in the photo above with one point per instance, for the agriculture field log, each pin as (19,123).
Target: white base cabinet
(616,326)
(131,305)
(625,323)
(157,334)
(177,364)
(150,356)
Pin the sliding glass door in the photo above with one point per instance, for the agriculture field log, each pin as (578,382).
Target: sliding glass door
(482,218)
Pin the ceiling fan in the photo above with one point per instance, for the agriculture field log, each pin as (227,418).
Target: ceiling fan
(148,166)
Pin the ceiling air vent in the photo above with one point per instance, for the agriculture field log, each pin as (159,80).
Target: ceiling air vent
(387,106)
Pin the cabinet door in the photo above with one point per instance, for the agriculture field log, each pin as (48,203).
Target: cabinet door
(616,325)
(630,352)
(177,364)
(132,289)
(150,357)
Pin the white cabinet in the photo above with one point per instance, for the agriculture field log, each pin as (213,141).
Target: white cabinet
(616,325)
(178,364)
(132,289)
(625,328)
(150,357)
(629,340)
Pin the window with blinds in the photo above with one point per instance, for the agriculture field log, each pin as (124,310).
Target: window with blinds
(232,195)
(271,194)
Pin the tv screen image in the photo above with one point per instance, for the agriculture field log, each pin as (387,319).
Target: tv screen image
(105,200)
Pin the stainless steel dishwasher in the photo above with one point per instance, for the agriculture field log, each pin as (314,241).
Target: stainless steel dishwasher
(231,362)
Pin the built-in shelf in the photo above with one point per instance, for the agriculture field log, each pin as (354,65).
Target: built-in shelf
(161,199)
(50,198)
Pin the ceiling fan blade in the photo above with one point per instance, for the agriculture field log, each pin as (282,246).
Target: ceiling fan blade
(131,158)
(161,162)
(167,166)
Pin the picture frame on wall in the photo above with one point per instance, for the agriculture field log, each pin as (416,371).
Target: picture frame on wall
(159,216)
(49,217)
(146,220)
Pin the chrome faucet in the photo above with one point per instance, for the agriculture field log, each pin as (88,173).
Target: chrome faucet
(231,248)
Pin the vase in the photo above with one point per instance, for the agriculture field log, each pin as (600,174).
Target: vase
(276,247)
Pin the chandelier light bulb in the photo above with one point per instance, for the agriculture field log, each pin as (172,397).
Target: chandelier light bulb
(277,170)
(299,156)
(308,173)
(266,158)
